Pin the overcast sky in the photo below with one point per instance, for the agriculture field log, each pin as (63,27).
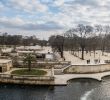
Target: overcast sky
(45,17)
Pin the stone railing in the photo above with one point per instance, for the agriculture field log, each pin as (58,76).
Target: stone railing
(47,64)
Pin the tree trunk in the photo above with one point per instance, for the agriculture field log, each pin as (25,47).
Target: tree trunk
(61,54)
(61,51)
(82,53)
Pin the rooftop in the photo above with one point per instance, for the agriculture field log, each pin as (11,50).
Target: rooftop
(4,61)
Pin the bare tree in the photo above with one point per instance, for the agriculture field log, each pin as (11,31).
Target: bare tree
(57,43)
(103,31)
(71,40)
(82,32)
(93,43)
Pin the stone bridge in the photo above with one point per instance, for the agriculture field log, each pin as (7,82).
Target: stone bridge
(63,79)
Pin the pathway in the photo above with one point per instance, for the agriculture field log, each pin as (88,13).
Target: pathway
(62,79)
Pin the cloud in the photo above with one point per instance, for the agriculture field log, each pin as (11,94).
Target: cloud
(26,5)
(48,26)
(52,15)
(87,2)
(1,7)
(59,2)
(20,24)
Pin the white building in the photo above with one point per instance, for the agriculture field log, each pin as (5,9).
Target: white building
(5,65)
(49,56)
(29,48)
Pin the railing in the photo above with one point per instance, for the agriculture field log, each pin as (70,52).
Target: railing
(49,62)
(54,62)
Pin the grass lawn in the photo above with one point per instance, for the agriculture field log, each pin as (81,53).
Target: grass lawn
(27,72)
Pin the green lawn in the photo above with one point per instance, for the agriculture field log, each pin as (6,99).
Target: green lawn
(27,72)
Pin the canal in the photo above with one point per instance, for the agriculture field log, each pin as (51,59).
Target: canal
(77,89)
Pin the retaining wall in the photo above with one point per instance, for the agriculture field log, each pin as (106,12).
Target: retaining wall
(88,68)
(32,80)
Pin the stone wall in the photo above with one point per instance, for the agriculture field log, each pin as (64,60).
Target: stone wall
(45,80)
(87,68)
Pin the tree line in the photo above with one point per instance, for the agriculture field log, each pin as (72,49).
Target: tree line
(82,38)
(7,39)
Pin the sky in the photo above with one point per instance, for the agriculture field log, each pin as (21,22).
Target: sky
(44,18)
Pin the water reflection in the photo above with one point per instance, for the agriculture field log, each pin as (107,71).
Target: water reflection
(77,89)
(102,92)
(17,92)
